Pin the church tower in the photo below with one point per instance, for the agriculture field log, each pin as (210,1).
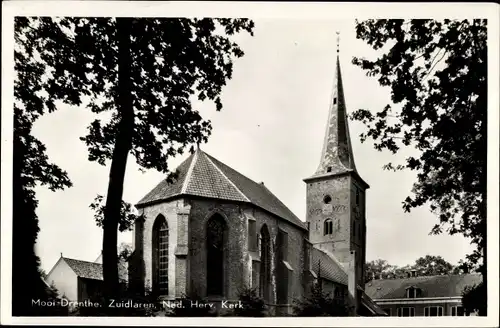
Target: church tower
(336,193)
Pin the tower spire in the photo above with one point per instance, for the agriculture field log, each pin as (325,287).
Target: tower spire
(338,43)
(337,155)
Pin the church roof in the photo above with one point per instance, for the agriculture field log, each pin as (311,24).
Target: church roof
(327,267)
(85,269)
(204,176)
(92,270)
(430,286)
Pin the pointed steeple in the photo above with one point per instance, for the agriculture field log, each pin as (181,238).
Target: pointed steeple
(337,155)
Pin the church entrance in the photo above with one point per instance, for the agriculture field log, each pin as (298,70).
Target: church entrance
(216,237)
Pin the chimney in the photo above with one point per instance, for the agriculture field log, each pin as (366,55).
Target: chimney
(352,282)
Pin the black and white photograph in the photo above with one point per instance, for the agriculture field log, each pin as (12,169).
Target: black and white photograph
(179,163)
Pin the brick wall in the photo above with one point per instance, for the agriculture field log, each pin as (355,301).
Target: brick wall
(295,256)
(235,252)
(187,247)
(349,224)
(171,211)
(358,233)
(338,188)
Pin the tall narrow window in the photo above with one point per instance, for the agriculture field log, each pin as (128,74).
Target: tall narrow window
(160,256)
(216,240)
(357,196)
(259,243)
(328,227)
(282,277)
(252,236)
(265,263)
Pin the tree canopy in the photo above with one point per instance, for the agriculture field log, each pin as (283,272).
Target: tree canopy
(429,265)
(127,214)
(31,168)
(140,77)
(436,71)
(437,74)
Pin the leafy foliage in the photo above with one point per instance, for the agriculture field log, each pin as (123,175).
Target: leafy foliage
(139,76)
(463,267)
(253,305)
(125,250)
(171,60)
(31,168)
(432,266)
(437,74)
(428,265)
(320,304)
(127,215)
(473,299)
(377,269)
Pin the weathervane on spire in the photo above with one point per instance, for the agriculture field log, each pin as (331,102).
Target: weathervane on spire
(338,41)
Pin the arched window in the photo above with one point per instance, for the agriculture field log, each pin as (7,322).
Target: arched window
(265,263)
(259,243)
(328,227)
(160,256)
(216,240)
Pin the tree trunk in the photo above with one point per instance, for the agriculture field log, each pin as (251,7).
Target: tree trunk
(123,145)
(27,284)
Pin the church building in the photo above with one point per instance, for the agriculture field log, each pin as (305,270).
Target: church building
(213,231)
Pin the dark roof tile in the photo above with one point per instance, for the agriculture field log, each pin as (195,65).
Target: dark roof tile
(85,269)
(204,176)
(431,286)
(327,267)
(92,270)
(258,194)
(207,180)
(165,189)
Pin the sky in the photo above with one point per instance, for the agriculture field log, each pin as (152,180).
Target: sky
(271,129)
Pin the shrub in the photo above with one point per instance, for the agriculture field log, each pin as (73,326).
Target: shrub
(474,299)
(253,305)
(320,304)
